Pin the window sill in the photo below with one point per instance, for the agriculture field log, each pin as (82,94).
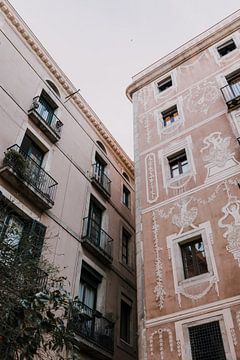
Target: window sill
(195,279)
(179,177)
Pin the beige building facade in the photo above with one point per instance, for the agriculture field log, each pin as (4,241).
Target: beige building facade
(187,173)
(63,172)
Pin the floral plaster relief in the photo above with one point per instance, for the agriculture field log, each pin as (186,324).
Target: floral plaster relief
(151,178)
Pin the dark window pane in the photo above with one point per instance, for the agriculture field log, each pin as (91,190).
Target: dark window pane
(194,258)
(178,164)
(165,84)
(126,196)
(226,48)
(206,342)
(125,321)
(125,246)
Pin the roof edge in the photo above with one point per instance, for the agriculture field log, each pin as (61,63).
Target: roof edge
(45,58)
(185,52)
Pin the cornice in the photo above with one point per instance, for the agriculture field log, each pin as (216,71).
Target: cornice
(184,53)
(36,47)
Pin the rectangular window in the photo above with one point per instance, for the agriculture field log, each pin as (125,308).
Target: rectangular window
(193,257)
(125,322)
(226,48)
(164,84)
(30,148)
(89,282)
(206,342)
(95,221)
(178,164)
(46,107)
(170,116)
(126,196)
(125,246)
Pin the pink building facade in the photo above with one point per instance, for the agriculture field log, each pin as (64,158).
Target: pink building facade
(187,174)
(63,172)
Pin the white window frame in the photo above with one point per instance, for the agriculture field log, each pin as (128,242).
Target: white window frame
(166,130)
(166,92)
(226,325)
(173,243)
(168,181)
(220,59)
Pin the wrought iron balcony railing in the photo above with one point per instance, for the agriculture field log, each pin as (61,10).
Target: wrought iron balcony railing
(46,115)
(231,94)
(41,279)
(101,178)
(97,237)
(92,326)
(30,172)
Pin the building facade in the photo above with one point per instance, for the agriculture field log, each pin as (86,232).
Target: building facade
(187,173)
(63,172)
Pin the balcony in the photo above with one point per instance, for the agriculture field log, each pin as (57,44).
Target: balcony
(231,94)
(41,279)
(46,120)
(100,180)
(95,333)
(96,240)
(28,177)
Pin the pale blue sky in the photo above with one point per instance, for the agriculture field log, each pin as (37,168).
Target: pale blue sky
(101,44)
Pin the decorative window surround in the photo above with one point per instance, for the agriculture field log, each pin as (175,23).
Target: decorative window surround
(226,58)
(158,117)
(235,117)
(181,180)
(190,287)
(169,90)
(227,328)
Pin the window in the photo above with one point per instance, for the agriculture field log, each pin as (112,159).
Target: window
(125,175)
(11,228)
(126,196)
(125,322)
(206,342)
(95,221)
(46,107)
(164,84)
(226,48)
(99,168)
(234,82)
(89,282)
(170,116)
(30,148)
(125,246)
(193,257)
(178,164)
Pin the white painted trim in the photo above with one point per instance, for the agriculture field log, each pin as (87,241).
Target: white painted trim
(224,315)
(191,312)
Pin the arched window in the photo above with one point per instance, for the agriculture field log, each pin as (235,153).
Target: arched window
(101,146)
(126,176)
(53,87)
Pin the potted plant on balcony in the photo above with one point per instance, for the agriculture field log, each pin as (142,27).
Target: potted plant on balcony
(16,161)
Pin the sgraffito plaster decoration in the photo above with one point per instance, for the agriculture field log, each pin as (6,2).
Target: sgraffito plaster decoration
(238,319)
(160,333)
(200,97)
(231,222)
(159,290)
(151,178)
(184,217)
(234,337)
(179,350)
(217,154)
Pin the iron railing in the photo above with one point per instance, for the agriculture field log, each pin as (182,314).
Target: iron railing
(49,118)
(97,236)
(231,92)
(91,325)
(101,178)
(41,279)
(30,172)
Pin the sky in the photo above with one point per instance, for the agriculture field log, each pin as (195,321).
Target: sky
(101,44)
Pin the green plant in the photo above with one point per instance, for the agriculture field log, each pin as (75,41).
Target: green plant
(15,160)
